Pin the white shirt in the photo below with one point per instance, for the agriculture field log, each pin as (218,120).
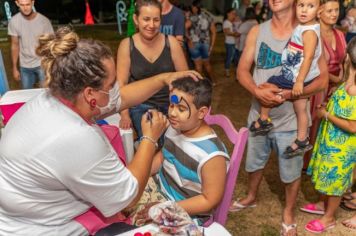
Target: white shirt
(228,38)
(53,167)
(28,32)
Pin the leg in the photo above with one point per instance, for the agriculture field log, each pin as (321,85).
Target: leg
(258,152)
(230,51)
(198,64)
(196,57)
(40,76)
(236,57)
(328,220)
(300,108)
(209,69)
(301,144)
(333,203)
(204,52)
(27,78)
(291,190)
(263,124)
(265,113)
(290,171)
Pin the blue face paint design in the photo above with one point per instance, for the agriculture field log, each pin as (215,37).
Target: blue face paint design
(174,99)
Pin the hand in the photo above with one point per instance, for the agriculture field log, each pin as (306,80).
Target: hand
(297,89)
(142,216)
(269,95)
(321,111)
(16,74)
(155,126)
(125,121)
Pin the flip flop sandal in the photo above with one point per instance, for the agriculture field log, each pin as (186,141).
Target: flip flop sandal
(349,207)
(287,228)
(312,208)
(302,147)
(349,196)
(263,129)
(315,226)
(236,206)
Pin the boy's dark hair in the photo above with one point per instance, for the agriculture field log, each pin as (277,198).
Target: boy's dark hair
(200,90)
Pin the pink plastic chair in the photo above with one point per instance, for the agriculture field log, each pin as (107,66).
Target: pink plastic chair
(239,140)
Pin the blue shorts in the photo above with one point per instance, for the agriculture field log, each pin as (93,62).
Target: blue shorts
(283,83)
(199,51)
(259,150)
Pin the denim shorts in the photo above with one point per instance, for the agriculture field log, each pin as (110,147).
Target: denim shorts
(259,150)
(29,76)
(199,51)
(283,83)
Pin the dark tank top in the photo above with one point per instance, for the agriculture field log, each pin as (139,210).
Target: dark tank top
(141,68)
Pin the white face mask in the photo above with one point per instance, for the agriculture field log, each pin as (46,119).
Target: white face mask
(114,100)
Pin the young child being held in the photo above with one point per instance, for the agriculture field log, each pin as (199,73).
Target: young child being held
(192,165)
(299,68)
(334,154)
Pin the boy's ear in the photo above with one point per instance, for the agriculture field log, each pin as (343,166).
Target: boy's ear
(203,111)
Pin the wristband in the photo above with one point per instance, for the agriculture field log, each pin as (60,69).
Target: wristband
(149,139)
(326,116)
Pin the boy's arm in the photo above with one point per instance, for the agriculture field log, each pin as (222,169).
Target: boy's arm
(320,83)
(213,186)
(310,42)
(157,162)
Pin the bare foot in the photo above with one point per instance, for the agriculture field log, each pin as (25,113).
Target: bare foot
(350,223)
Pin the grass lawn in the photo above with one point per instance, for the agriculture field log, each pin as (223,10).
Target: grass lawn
(232,100)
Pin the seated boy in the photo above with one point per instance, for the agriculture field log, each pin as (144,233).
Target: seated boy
(191,167)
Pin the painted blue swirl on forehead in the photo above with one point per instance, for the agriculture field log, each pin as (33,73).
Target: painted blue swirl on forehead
(174,99)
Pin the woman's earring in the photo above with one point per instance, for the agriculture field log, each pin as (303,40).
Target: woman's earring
(92,103)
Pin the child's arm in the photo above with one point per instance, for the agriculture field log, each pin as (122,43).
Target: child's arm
(213,186)
(347,125)
(310,41)
(157,162)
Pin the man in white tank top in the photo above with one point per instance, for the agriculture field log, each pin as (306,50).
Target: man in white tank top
(264,46)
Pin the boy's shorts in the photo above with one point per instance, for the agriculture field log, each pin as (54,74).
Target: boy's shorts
(283,83)
(199,51)
(259,150)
